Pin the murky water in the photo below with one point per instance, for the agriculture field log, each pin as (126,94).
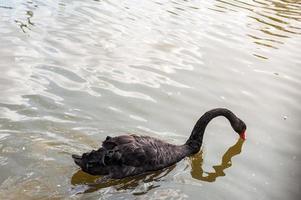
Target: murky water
(73,72)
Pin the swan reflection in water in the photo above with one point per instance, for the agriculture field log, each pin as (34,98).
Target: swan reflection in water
(85,183)
(197,171)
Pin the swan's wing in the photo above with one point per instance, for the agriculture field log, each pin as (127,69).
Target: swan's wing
(112,142)
(129,150)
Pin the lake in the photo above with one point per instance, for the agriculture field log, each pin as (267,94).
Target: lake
(73,72)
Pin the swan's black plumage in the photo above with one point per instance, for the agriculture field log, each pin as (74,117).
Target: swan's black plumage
(129,155)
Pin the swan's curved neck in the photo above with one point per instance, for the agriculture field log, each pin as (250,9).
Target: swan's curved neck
(196,138)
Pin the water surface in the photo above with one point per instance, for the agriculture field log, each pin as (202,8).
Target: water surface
(73,72)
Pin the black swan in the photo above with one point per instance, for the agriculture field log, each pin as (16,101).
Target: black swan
(129,155)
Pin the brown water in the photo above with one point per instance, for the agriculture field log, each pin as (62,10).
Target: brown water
(73,72)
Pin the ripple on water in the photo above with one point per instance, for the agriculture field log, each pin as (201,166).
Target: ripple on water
(73,72)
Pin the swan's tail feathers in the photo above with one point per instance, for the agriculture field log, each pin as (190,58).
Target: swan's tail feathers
(93,162)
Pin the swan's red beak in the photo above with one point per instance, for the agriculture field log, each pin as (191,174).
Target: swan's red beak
(243,135)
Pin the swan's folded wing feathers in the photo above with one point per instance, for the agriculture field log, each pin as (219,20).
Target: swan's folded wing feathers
(129,150)
(111,142)
(129,154)
(135,157)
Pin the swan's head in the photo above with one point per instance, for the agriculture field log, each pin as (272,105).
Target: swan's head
(90,163)
(240,127)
